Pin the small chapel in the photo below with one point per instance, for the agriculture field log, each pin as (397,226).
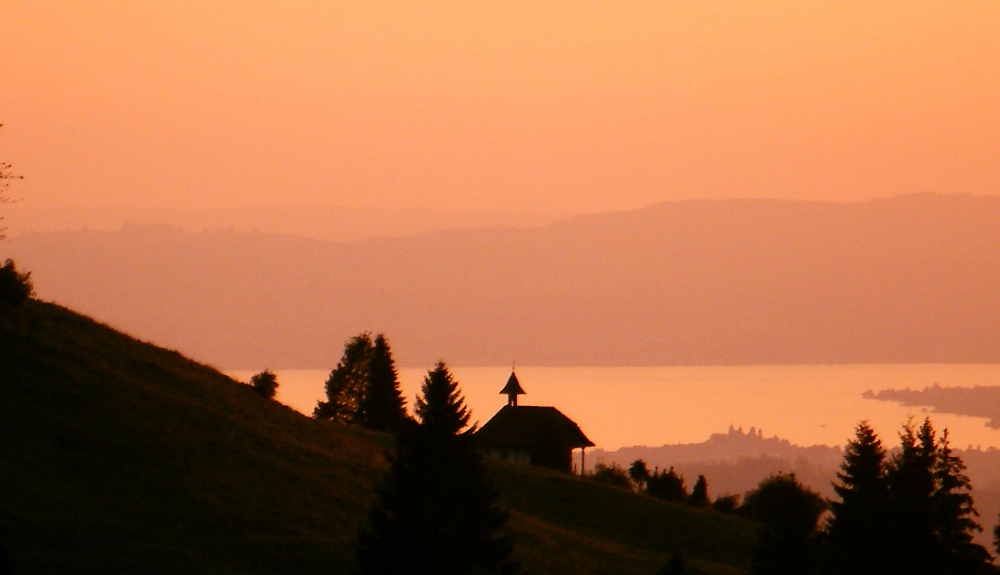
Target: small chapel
(532,434)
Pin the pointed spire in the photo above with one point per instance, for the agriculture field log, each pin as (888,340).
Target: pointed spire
(512,389)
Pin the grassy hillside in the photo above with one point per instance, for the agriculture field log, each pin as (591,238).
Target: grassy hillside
(118,456)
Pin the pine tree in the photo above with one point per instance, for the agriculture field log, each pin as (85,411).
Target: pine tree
(856,529)
(346,385)
(381,406)
(699,493)
(436,512)
(953,515)
(911,486)
(441,407)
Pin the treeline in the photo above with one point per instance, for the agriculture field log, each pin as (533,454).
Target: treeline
(666,485)
(910,512)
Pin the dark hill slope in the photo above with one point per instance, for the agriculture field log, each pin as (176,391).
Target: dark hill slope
(121,457)
(118,456)
(910,279)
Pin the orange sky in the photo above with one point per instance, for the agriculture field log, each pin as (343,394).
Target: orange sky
(565,105)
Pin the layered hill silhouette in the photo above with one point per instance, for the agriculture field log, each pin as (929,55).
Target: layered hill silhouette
(905,279)
(122,457)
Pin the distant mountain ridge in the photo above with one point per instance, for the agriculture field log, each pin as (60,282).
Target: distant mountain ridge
(331,223)
(909,279)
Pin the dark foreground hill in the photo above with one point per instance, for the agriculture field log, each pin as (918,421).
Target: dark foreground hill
(909,279)
(121,457)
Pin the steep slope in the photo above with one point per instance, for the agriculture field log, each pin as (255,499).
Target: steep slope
(118,456)
(900,280)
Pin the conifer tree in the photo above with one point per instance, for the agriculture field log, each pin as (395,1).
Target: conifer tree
(931,509)
(346,385)
(954,512)
(910,476)
(381,406)
(441,407)
(856,529)
(699,493)
(436,512)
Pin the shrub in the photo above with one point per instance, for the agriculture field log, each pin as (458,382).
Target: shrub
(265,383)
(611,475)
(726,503)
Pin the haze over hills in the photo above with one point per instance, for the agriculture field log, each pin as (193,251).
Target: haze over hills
(909,279)
(331,223)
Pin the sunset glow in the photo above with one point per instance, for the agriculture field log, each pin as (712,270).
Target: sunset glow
(578,106)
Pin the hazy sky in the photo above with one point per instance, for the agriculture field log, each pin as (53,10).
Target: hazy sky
(562,105)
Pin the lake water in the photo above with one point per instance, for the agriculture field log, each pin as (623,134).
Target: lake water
(624,406)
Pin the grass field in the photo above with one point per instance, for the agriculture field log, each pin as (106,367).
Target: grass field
(120,457)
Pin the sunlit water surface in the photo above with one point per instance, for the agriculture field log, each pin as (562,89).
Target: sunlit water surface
(624,406)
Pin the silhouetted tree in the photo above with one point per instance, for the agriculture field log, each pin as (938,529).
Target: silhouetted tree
(5,176)
(265,383)
(15,287)
(857,531)
(699,493)
(611,475)
(789,514)
(441,407)
(726,503)
(436,511)
(667,485)
(954,512)
(931,509)
(346,385)
(381,406)
(911,489)
(638,472)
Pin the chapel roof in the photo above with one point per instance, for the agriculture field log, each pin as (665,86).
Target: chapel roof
(525,425)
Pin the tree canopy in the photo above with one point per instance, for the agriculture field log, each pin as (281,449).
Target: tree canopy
(789,512)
